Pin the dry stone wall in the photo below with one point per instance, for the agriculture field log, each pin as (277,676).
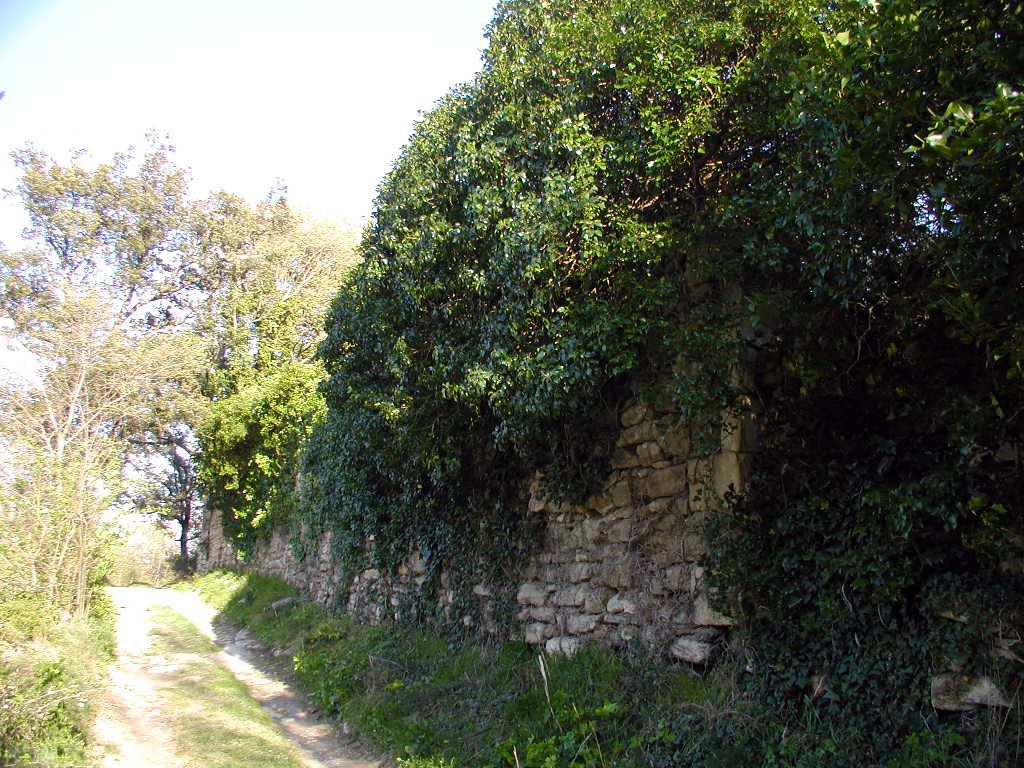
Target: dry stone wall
(621,568)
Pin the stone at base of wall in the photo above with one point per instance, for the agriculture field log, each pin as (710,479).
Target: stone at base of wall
(961,693)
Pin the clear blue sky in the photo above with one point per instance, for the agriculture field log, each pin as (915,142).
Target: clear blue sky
(321,94)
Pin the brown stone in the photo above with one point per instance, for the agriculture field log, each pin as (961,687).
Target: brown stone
(729,471)
(616,575)
(621,493)
(578,572)
(676,577)
(580,623)
(570,596)
(537,633)
(676,442)
(670,481)
(634,414)
(643,432)
(545,613)
(532,593)
(593,530)
(706,616)
(960,693)
(619,532)
(621,618)
(692,650)
(623,459)
(620,604)
(565,646)
(648,453)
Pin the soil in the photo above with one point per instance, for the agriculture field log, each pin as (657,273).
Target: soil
(132,728)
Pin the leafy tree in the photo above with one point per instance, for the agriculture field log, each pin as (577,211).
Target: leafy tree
(268,277)
(89,305)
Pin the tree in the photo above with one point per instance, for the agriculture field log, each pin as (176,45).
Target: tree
(93,304)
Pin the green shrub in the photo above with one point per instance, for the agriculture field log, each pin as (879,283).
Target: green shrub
(48,689)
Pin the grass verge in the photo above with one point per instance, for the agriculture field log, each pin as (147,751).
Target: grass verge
(222,726)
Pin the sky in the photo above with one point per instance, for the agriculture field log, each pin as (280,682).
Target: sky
(321,94)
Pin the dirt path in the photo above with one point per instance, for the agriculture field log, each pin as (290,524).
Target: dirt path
(132,727)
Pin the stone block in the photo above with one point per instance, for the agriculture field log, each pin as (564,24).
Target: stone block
(620,603)
(656,508)
(564,646)
(621,618)
(620,531)
(670,481)
(594,599)
(570,596)
(677,577)
(960,693)
(634,413)
(706,616)
(648,453)
(623,459)
(621,493)
(729,471)
(616,575)
(644,432)
(537,633)
(739,434)
(580,623)
(692,650)
(675,442)
(545,613)
(578,572)
(593,530)
(532,593)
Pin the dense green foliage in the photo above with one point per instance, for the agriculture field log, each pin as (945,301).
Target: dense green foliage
(537,249)
(251,445)
(828,196)
(49,670)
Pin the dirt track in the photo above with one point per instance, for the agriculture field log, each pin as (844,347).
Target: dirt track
(132,728)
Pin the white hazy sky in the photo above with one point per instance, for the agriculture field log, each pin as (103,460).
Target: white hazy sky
(321,94)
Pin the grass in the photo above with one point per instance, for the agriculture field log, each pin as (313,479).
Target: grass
(221,725)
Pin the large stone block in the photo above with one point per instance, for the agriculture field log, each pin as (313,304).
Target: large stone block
(565,646)
(532,593)
(624,459)
(730,471)
(580,623)
(616,575)
(634,414)
(644,432)
(692,650)
(706,616)
(648,453)
(960,693)
(667,482)
(621,493)
(537,633)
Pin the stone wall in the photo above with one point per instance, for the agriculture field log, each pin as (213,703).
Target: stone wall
(620,568)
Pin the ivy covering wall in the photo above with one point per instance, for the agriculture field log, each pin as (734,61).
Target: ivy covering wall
(827,197)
